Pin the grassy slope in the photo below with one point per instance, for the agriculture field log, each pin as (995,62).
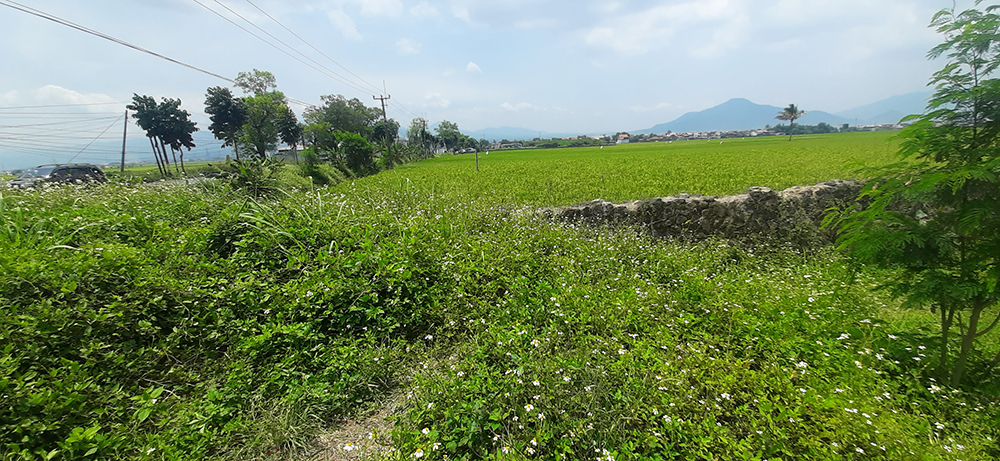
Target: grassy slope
(264,322)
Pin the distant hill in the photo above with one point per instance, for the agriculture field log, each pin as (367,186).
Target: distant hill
(738,114)
(889,110)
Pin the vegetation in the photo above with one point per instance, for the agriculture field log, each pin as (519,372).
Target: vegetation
(172,321)
(936,215)
(790,114)
(165,125)
(634,171)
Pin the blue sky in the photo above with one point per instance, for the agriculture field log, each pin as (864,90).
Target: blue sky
(558,66)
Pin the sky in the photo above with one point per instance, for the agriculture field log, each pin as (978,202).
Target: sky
(549,65)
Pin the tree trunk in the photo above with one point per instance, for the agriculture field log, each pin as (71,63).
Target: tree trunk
(156,155)
(968,341)
(174,153)
(163,155)
(182,163)
(946,318)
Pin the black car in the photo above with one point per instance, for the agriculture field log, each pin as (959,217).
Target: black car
(64,173)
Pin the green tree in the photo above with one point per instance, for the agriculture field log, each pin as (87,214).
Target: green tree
(228,114)
(177,129)
(351,116)
(418,135)
(387,133)
(936,215)
(360,153)
(145,111)
(257,82)
(448,133)
(261,130)
(790,114)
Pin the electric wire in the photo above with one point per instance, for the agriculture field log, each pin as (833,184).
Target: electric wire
(61,105)
(58,20)
(338,78)
(313,47)
(258,37)
(98,136)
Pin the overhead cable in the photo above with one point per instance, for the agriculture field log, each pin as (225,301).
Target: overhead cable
(44,15)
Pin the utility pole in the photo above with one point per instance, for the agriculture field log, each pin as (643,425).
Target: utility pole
(385,119)
(383,99)
(124,137)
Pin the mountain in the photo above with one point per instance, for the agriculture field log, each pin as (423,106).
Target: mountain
(889,110)
(738,114)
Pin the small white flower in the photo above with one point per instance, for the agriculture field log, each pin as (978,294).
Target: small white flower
(425,431)
(418,454)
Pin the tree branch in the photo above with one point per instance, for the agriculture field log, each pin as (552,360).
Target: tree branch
(992,325)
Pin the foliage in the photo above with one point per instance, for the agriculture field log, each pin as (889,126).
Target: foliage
(257,82)
(351,116)
(937,214)
(358,152)
(448,134)
(228,114)
(257,177)
(172,322)
(262,129)
(166,124)
(790,114)
(254,124)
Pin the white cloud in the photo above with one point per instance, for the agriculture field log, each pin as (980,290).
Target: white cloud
(407,46)
(56,95)
(435,100)
(635,33)
(381,7)
(472,67)
(344,24)
(517,107)
(424,10)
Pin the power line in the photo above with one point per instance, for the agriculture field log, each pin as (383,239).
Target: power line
(61,105)
(338,78)
(258,37)
(98,136)
(58,20)
(311,46)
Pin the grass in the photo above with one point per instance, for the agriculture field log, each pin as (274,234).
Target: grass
(173,321)
(635,171)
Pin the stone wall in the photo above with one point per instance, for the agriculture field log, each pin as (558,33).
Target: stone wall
(793,215)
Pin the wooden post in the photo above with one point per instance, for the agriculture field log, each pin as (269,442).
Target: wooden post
(477,159)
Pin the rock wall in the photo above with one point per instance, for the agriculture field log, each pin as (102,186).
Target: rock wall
(793,215)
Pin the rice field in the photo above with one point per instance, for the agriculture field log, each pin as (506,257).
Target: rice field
(636,171)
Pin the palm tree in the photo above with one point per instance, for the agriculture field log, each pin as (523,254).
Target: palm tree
(790,113)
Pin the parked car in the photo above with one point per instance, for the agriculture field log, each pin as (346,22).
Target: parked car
(64,173)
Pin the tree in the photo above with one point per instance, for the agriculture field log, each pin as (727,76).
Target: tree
(388,133)
(448,133)
(358,151)
(228,114)
(257,82)
(261,130)
(176,128)
(145,112)
(166,124)
(351,116)
(790,114)
(252,124)
(936,215)
(417,134)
